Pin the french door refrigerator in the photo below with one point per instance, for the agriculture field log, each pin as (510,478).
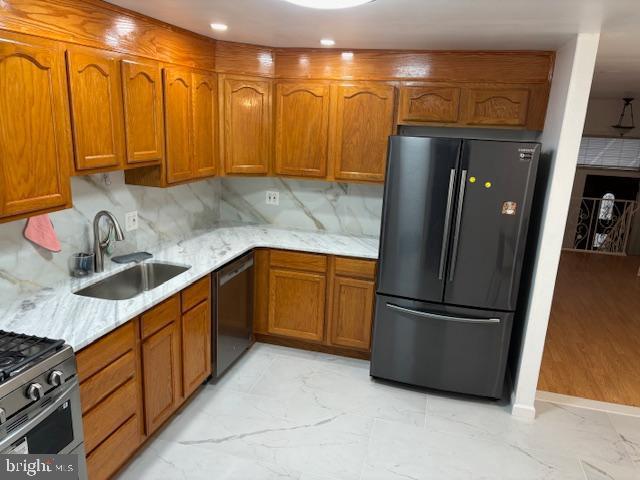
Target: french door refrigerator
(454,227)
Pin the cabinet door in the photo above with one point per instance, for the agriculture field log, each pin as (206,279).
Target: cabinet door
(497,106)
(161,375)
(204,124)
(142,89)
(363,123)
(246,125)
(196,347)
(429,104)
(302,128)
(297,304)
(96,109)
(351,312)
(177,111)
(35,137)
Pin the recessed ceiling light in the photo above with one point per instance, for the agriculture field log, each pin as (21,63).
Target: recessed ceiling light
(329,4)
(220,27)
(327,42)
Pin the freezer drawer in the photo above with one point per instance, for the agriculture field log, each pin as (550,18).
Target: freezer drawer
(440,347)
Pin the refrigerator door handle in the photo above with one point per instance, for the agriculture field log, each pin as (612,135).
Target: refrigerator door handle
(456,233)
(447,220)
(435,316)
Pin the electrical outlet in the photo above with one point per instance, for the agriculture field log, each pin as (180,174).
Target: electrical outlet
(131,221)
(273,198)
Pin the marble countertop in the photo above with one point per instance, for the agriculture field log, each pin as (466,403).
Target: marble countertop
(58,313)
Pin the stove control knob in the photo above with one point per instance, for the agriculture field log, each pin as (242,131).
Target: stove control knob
(55,378)
(34,392)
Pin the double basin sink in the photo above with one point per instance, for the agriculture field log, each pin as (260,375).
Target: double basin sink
(133,281)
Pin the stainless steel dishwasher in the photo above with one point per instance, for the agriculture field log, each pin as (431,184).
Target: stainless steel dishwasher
(233,322)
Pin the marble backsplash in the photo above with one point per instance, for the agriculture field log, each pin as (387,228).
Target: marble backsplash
(353,209)
(172,214)
(164,215)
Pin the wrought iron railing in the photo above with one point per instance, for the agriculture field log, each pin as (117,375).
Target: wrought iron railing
(603,225)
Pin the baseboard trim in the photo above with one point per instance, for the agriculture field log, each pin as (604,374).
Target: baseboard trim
(315,347)
(523,412)
(579,402)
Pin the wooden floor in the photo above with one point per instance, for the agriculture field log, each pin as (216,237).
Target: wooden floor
(592,348)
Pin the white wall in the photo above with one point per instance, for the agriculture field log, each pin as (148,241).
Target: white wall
(601,114)
(561,141)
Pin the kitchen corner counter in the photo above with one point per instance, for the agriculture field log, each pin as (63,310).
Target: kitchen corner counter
(58,313)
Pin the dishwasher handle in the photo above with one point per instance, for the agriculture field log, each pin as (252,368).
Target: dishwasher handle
(245,265)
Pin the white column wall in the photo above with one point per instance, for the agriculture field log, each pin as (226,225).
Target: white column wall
(564,122)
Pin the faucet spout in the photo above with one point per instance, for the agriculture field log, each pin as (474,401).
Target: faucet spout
(99,246)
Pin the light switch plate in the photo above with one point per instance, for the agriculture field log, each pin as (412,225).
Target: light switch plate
(273,198)
(131,221)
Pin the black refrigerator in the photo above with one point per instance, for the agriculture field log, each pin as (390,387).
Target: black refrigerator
(454,227)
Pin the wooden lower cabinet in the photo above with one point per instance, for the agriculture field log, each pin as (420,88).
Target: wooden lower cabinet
(351,312)
(196,347)
(110,394)
(296,304)
(133,379)
(318,299)
(105,460)
(161,360)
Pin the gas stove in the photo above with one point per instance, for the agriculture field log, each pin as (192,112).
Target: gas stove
(18,352)
(40,411)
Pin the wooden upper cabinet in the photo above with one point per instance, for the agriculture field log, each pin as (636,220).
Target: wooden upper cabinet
(497,106)
(178,115)
(361,128)
(302,128)
(35,137)
(519,106)
(142,90)
(429,104)
(246,125)
(205,125)
(96,109)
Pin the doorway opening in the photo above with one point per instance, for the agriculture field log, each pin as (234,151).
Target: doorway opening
(592,348)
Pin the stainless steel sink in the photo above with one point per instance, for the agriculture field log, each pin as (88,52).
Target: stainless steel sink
(133,281)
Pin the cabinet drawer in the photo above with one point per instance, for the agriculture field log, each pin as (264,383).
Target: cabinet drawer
(103,462)
(355,267)
(160,315)
(196,293)
(96,388)
(299,261)
(109,414)
(103,352)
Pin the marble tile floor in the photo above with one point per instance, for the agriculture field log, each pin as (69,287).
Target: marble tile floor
(281,413)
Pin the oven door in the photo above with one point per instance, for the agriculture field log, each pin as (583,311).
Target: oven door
(50,426)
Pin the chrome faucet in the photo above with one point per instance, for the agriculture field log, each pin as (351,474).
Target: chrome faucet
(99,246)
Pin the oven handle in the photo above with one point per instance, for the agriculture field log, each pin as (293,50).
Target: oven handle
(24,429)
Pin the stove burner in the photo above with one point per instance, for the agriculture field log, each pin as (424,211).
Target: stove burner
(8,359)
(18,352)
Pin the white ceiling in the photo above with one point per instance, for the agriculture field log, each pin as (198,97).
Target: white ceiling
(426,24)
